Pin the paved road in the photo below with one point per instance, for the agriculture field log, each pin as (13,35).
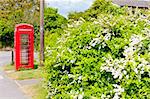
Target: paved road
(8,88)
(5,57)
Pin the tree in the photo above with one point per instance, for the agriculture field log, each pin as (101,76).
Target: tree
(53,20)
(13,12)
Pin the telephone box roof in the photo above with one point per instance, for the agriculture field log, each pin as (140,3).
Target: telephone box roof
(17,25)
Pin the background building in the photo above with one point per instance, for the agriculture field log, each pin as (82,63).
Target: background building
(133,3)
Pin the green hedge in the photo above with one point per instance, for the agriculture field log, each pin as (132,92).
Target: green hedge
(107,57)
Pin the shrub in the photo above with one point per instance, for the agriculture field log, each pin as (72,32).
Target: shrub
(106,57)
(53,20)
(6,34)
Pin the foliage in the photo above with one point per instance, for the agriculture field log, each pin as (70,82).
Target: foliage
(36,36)
(13,12)
(106,57)
(98,7)
(53,20)
(6,34)
(54,24)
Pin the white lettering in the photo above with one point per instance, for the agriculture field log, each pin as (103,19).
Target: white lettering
(25,29)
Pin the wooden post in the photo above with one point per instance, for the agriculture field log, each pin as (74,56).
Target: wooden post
(12,57)
(41,32)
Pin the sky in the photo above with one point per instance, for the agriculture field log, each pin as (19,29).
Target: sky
(66,6)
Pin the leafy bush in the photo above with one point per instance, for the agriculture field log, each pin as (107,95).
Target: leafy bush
(107,57)
(53,20)
(6,36)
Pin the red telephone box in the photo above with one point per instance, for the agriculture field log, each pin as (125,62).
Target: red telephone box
(24,46)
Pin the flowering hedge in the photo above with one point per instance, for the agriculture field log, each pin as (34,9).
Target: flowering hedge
(107,57)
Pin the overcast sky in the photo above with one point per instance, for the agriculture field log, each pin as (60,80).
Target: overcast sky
(66,6)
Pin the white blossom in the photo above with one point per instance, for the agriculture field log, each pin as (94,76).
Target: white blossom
(136,71)
(135,39)
(103,96)
(72,61)
(116,97)
(80,96)
(95,41)
(80,77)
(107,36)
(118,90)
(125,72)
(127,76)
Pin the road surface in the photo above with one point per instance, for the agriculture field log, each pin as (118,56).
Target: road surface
(8,88)
(5,57)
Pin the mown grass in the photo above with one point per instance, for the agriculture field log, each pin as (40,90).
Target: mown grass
(25,74)
(35,91)
(8,67)
(22,74)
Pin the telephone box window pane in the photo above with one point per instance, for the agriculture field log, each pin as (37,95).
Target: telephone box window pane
(24,49)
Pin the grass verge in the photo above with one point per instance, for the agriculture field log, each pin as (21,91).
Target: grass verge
(8,67)
(35,91)
(22,74)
